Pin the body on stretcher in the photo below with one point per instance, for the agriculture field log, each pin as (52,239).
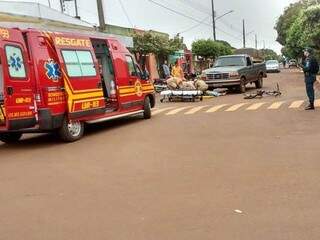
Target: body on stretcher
(181,95)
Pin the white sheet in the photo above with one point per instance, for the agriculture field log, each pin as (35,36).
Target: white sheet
(181,93)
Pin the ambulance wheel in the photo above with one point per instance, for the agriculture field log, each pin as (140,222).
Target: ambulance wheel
(71,130)
(10,137)
(147,108)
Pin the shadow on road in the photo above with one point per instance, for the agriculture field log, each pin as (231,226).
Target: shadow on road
(31,141)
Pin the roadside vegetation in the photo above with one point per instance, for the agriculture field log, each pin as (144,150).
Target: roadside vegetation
(299,27)
(162,46)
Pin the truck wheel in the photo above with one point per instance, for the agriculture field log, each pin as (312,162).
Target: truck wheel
(10,137)
(147,108)
(71,130)
(242,86)
(259,82)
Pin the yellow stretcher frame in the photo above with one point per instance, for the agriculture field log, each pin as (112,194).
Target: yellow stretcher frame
(2,114)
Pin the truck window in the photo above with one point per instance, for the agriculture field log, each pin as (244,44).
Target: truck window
(230,61)
(249,63)
(131,66)
(79,63)
(15,62)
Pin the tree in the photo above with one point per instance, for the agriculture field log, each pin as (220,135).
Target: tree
(225,43)
(304,32)
(298,27)
(286,20)
(289,16)
(210,49)
(269,54)
(149,42)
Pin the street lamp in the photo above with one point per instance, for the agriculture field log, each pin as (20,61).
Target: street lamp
(214,19)
(217,18)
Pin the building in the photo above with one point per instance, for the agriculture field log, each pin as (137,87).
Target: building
(28,14)
(35,15)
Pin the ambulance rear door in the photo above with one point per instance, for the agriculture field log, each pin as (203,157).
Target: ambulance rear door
(17,84)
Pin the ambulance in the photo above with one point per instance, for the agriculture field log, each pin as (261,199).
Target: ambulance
(58,82)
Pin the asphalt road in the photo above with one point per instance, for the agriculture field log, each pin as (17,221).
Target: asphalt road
(242,174)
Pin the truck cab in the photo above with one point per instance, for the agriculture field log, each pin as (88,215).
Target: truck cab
(53,81)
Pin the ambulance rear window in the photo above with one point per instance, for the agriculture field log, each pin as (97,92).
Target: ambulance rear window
(15,62)
(79,63)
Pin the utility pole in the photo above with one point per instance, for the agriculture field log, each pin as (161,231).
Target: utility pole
(49,3)
(264,44)
(102,23)
(244,33)
(62,5)
(256,41)
(76,9)
(213,21)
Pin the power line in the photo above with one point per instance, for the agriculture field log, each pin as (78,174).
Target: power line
(195,26)
(174,11)
(126,13)
(196,6)
(189,17)
(230,26)
(228,33)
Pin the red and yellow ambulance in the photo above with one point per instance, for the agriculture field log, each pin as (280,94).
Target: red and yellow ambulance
(53,81)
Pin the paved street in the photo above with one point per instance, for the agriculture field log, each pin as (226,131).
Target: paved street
(225,168)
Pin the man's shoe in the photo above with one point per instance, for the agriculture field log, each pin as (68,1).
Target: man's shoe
(310,107)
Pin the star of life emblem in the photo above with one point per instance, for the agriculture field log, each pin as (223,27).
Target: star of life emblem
(53,70)
(15,62)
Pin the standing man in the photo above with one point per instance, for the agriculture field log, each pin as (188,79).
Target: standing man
(284,62)
(310,69)
(166,70)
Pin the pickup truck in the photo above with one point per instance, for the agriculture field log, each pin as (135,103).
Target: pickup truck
(235,71)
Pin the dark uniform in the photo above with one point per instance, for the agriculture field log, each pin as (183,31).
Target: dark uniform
(310,69)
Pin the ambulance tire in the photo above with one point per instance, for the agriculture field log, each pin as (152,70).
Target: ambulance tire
(71,131)
(10,137)
(147,108)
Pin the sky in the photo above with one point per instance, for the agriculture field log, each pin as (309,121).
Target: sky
(260,17)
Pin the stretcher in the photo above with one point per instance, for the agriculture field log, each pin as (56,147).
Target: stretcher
(2,115)
(159,88)
(181,96)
